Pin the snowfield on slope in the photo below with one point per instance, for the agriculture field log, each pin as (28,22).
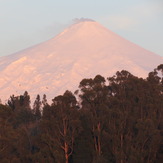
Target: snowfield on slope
(83,50)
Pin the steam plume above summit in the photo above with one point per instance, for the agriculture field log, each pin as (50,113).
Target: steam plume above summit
(77,20)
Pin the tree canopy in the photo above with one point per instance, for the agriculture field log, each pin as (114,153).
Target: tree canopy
(113,120)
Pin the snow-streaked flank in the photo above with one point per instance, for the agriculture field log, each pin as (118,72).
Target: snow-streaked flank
(83,50)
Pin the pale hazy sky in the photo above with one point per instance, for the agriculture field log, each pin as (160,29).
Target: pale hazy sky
(24,23)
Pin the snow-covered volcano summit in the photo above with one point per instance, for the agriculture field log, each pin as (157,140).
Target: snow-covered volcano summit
(83,50)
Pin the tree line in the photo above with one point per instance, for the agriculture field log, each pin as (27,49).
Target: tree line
(113,120)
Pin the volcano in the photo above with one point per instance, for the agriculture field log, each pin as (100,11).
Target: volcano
(83,50)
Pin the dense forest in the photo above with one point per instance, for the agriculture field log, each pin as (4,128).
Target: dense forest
(113,120)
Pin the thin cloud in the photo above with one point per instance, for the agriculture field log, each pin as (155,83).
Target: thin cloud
(135,16)
(149,10)
(121,22)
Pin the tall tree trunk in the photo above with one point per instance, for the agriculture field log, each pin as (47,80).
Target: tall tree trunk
(65,143)
(66,153)
(99,138)
(121,148)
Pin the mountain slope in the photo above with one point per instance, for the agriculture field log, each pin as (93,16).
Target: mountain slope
(83,50)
